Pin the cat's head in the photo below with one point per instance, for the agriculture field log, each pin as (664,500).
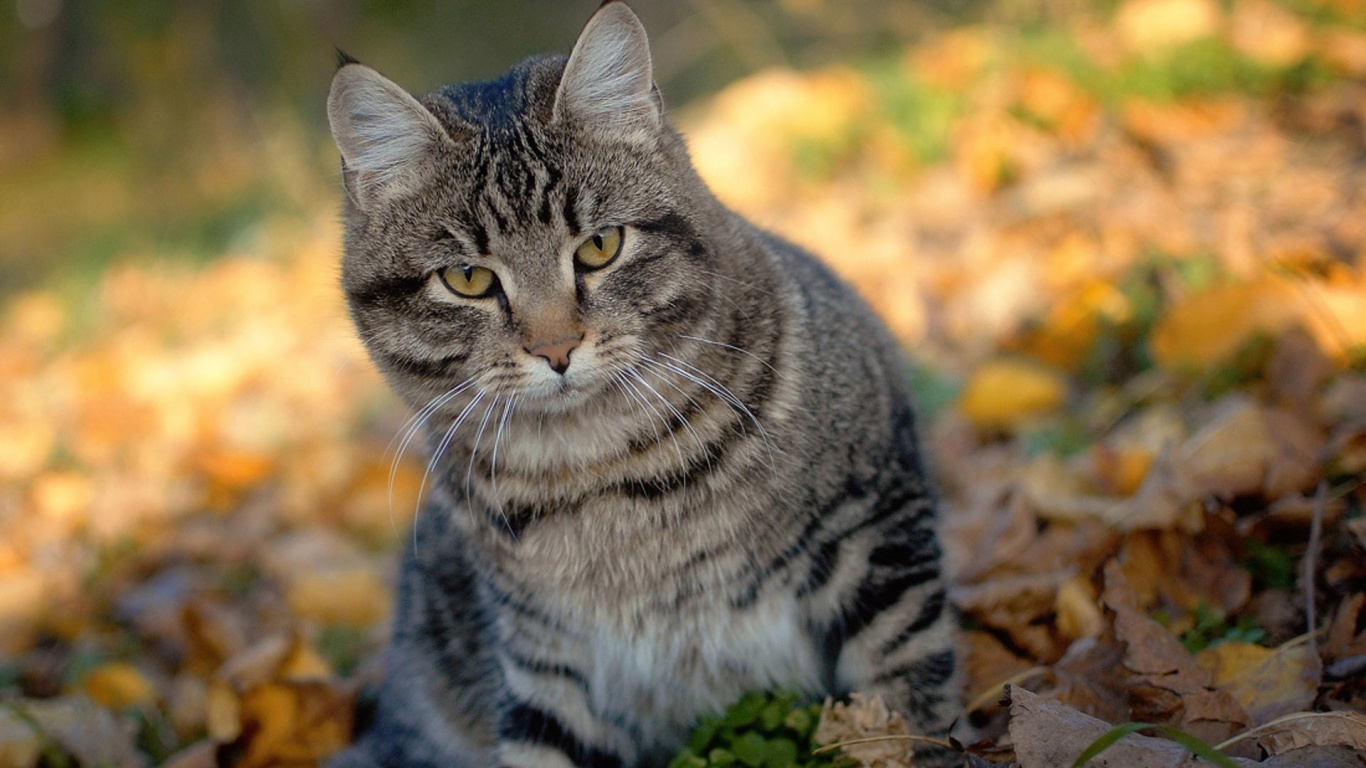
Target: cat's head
(530,236)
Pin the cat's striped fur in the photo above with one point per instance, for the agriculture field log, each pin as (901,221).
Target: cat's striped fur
(655,485)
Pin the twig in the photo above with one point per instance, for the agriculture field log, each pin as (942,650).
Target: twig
(1290,718)
(889,737)
(994,691)
(1310,561)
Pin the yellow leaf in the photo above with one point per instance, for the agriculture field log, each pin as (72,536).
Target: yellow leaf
(1121,469)
(1002,394)
(304,663)
(1208,327)
(117,685)
(294,723)
(1267,682)
(1078,614)
(1147,25)
(347,594)
(222,712)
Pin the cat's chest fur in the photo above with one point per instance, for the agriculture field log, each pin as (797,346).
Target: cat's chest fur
(666,675)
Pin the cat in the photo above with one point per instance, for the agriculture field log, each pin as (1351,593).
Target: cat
(674,458)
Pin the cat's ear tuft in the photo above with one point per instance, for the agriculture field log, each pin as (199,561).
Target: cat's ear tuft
(608,83)
(386,137)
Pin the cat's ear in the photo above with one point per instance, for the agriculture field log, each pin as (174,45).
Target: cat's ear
(608,83)
(386,137)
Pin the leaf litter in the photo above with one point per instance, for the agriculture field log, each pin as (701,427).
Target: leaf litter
(1130,253)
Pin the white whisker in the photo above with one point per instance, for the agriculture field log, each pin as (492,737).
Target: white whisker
(678,449)
(438,453)
(474,449)
(409,430)
(493,462)
(741,350)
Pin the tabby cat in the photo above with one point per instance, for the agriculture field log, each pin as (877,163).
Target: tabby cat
(673,456)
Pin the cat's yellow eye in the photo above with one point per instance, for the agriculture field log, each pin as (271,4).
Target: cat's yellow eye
(599,250)
(469,281)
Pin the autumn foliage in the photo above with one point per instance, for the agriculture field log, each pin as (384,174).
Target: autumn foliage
(1128,254)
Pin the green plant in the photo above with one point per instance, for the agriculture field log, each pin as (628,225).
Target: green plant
(761,730)
(1192,744)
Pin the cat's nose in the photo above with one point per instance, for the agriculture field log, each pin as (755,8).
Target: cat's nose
(556,352)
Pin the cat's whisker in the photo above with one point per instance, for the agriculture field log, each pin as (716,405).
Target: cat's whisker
(706,381)
(673,433)
(687,423)
(493,461)
(409,430)
(741,350)
(656,417)
(441,450)
(474,450)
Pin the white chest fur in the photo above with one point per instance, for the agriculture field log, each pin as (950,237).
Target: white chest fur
(668,674)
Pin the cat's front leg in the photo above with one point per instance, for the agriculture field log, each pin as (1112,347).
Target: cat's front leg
(899,638)
(546,719)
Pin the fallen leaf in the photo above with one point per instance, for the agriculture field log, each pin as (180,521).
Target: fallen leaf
(118,685)
(1049,734)
(89,733)
(1090,678)
(20,746)
(201,755)
(1167,685)
(1267,682)
(863,718)
(1005,393)
(1324,729)
(1078,616)
(294,723)
(1246,448)
(1268,34)
(1148,26)
(352,594)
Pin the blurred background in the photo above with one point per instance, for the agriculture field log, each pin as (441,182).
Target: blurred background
(1124,240)
(143,125)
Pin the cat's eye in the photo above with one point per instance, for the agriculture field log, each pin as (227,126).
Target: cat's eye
(469,281)
(599,250)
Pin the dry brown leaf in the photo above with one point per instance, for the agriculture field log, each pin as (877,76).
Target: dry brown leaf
(1090,678)
(1344,645)
(1297,370)
(987,665)
(1167,685)
(1324,729)
(1061,493)
(1246,448)
(87,732)
(1049,734)
(201,755)
(20,746)
(866,718)
(1267,682)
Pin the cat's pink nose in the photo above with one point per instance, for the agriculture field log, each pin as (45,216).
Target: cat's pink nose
(556,352)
